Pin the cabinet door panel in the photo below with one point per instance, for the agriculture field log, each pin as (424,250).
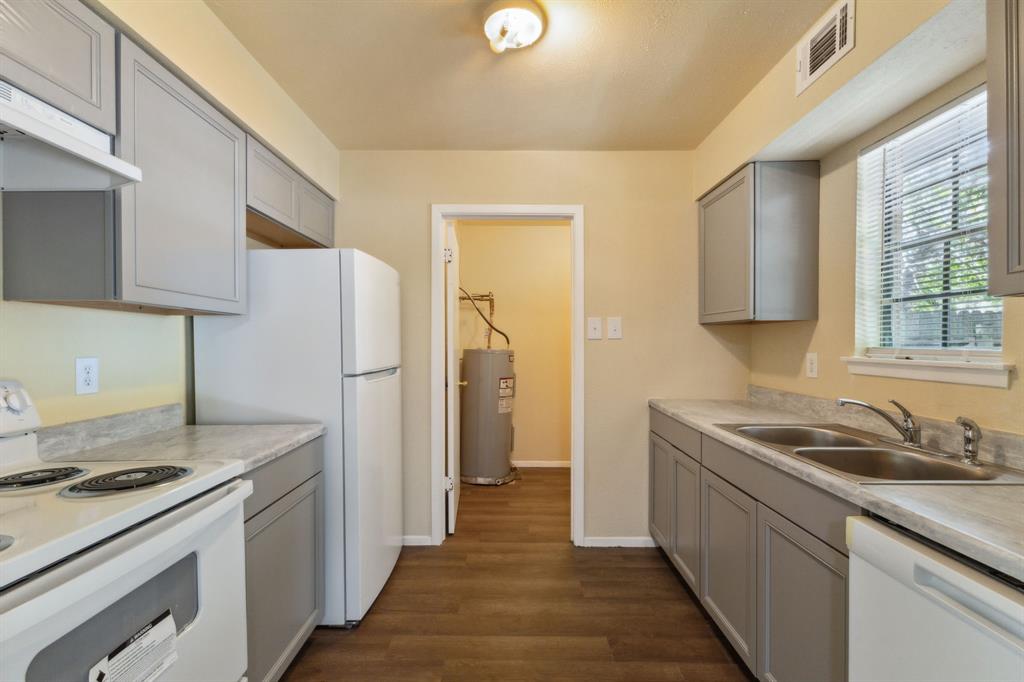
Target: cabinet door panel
(685,552)
(660,504)
(726,250)
(728,562)
(283,578)
(182,228)
(62,53)
(316,214)
(272,188)
(801,604)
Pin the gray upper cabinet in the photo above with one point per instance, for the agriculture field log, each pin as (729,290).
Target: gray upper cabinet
(801,604)
(660,502)
(1005,65)
(276,191)
(181,230)
(759,244)
(62,53)
(729,561)
(685,552)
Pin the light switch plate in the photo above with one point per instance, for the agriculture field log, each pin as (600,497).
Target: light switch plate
(87,376)
(595,328)
(614,327)
(811,365)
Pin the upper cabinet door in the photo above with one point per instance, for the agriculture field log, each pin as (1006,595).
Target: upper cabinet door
(272,187)
(727,250)
(62,53)
(182,229)
(316,214)
(1005,65)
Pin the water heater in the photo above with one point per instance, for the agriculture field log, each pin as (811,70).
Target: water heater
(488,391)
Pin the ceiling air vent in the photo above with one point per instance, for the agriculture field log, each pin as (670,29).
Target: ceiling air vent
(825,44)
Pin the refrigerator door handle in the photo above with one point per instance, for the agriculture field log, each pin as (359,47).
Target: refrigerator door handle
(379,375)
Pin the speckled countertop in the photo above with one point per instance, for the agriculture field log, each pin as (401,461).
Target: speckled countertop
(253,445)
(983,522)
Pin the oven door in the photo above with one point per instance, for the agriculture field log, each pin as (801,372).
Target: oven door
(164,600)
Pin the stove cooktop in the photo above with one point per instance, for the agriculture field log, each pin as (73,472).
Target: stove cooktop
(34,478)
(126,480)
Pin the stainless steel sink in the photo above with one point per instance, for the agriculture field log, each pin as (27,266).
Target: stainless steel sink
(802,436)
(867,458)
(894,465)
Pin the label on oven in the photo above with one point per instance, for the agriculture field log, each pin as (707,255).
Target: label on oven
(143,657)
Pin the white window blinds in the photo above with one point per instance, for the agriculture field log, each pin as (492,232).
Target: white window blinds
(922,240)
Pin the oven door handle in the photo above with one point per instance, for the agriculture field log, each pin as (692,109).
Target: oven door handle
(154,545)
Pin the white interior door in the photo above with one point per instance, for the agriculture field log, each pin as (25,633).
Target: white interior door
(452,405)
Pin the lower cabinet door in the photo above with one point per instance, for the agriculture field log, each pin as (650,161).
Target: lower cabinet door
(660,505)
(728,567)
(685,553)
(284,581)
(801,631)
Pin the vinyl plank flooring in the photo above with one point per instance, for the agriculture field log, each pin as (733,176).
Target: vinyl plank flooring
(509,598)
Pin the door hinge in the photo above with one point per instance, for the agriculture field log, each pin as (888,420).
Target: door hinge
(448,255)
(449,484)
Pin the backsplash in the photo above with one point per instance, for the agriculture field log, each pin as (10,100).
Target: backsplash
(64,439)
(998,447)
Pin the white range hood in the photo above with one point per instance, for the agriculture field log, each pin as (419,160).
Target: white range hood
(43,149)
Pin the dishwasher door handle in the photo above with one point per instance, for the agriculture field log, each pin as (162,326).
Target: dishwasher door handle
(1008,627)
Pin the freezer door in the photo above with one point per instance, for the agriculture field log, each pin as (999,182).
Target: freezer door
(370,322)
(373,485)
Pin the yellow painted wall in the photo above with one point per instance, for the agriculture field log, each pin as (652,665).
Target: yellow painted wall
(777,349)
(142,357)
(527,265)
(640,257)
(773,106)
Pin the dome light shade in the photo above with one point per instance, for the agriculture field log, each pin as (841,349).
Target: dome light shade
(513,25)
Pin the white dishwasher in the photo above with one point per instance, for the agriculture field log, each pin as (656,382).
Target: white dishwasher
(919,614)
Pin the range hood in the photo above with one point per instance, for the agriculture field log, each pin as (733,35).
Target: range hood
(43,149)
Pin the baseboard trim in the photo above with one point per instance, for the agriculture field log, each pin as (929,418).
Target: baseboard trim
(416,540)
(626,541)
(541,463)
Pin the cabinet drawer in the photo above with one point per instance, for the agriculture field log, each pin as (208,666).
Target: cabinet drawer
(818,512)
(681,436)
(271,187)
(274,480)
(283,578)
(61,52)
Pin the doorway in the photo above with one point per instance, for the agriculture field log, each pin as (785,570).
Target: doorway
(491,236)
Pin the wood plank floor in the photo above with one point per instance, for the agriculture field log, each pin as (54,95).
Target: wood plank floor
(509,598)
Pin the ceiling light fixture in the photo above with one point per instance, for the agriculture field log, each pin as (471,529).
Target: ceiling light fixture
(514,24)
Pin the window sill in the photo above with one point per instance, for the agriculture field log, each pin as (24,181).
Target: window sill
(992,373)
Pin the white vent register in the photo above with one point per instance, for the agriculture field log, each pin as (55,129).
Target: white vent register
(826,43)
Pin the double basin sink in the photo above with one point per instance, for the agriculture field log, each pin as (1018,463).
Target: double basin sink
(866,458)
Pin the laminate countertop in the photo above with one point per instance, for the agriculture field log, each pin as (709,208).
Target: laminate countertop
(982,522)
(253,445)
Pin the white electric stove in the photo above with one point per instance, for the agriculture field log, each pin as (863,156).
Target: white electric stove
(104,565)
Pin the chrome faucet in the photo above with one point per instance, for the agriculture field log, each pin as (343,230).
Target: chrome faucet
(972,437)
(909,430)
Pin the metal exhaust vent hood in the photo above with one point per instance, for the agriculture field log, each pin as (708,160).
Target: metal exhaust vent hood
(43,149)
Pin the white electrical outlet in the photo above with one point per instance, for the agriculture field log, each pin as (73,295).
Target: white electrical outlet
(811,365)
(595,328)
(87,376)
(614,327)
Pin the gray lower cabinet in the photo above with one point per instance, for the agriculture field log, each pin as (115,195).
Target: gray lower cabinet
(62,53)
(660,502)
(284,559)
(801,592)
(182,229)
(1005,64)
(728,566)
(685,545)
(758,253)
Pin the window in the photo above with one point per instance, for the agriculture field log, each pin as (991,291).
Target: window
(922,240)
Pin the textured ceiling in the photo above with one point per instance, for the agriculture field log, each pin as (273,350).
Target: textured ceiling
(607,74)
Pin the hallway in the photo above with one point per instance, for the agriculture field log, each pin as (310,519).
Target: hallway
(509,598)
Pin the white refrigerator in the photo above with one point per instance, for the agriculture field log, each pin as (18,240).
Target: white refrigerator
(321,343)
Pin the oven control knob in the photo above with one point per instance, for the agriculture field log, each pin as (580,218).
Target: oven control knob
(14,401)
